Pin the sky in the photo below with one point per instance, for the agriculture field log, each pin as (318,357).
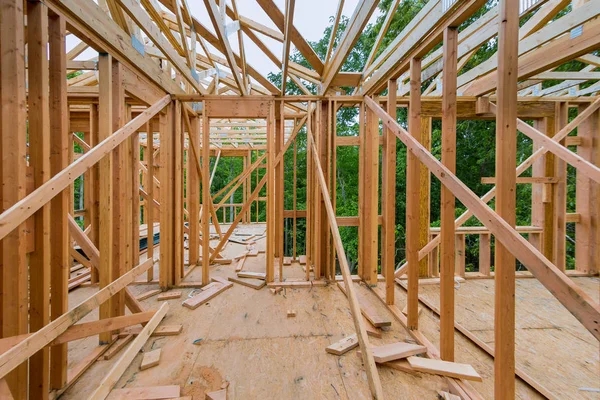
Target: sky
(311,17)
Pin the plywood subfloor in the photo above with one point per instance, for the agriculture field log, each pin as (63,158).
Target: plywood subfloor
(248,341)
(551,345)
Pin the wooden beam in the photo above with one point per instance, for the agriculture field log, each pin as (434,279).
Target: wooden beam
(36,341)
(570,295)
(359,324)
(219,25)
(412,195)
(119,367)
(270,177)
(301,44)
(447,257)
(370,188)
(506,149)
(39,160)
(59,125)
(206,198)
(289,21)
(356,24)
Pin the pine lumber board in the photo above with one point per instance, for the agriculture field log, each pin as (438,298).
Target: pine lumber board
(169,296)
(111,378)
(368,310)
(165,330)
(298,284)
(444,368)
(249,282)
(32,344)
(240,264)
(395,351)
(253,275)
(146,393)
(342,346)
(217,395)
(118,346)
(151,359)
(148,294)
(205,296)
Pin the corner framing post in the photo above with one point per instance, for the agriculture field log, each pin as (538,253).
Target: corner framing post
(388,199)
(59,151)
(412,197)
(270,215)
(177,195)
(425,267)
(13,151)
(193,199)
(587,231)
(39,160)
(308,201)
(561,116)
(119,188)
(105,167)
(371,207)
(506,149)
(167,200)
(447,256)
(149,186)
(94,175)
(323,227)
(206,198)
(279,184)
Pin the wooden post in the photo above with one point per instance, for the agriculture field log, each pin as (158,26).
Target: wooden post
(538,169)
(388,198)
(105,215)
(193,200)
(135,203)
(94,202)
(459,268)
(361,189)
(323,227)
(39,161)
(316,198)
(279,184)
(309,197)
(412,197)
(59,150)
(424,200)
(506,148)
(177,195)
(560,193)
(149,186)
(587,230)
(119,204)
(128,196)
(484,254)
(167,200)
(206,198)
(271,194)
(371,204)
(448,203)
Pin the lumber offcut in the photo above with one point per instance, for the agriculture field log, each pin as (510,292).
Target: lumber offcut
(445,368)
(343,346)
(395,351)
(206,295)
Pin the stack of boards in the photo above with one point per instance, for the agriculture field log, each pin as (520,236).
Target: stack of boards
(404,357)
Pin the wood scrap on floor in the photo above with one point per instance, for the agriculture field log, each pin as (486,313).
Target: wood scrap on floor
(291,313)
(150,359)
(217,395)
(253,275)
(287,260)
(340,347)
(395,351)
(165,330)
(119,367)
(249,282)
(146,393)
(276,290)
(206,295)
(302,260)
(169,296)
(148,294)
(371,330)
(447,396)
(369,310)
(252,253)
(118,346)
(444,368)
(298,284)
(240,264)
(222,261)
